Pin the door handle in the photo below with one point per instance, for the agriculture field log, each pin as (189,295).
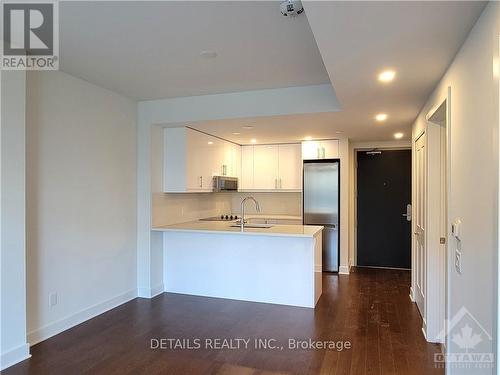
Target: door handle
(408,212)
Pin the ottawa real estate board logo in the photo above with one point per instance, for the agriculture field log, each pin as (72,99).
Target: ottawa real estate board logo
(30,35)
(469,344)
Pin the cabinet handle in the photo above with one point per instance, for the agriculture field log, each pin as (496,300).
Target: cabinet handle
(225,170)
(281,187)
(323,152)
(201,181)
(317,153)
(275,183)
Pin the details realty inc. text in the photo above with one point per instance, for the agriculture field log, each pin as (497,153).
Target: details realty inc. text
(247,343)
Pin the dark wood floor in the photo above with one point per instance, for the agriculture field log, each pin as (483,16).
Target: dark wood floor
(370,308)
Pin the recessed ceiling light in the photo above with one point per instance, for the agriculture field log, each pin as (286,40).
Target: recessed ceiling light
(339,132)
(208,54)
(253,140)
(308,138)
(236,133)
(381,117)
(398,135)
(387,76)
(247,127)
(210,143)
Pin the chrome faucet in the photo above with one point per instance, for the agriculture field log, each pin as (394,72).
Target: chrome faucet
(242,218)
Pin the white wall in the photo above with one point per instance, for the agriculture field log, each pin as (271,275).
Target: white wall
(474,169)
(81,201)
(13,346)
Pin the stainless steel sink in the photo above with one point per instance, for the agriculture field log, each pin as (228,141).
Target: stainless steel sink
(252,225)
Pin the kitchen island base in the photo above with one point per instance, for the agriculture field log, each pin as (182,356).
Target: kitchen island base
(259,268)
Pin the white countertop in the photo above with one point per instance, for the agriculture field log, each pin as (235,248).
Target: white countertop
(225,227)
(272,217)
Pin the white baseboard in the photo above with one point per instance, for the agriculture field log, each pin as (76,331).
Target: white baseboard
(344,270)
(53,329)
(423,332)
(150,293)
(159,289)
(14,356)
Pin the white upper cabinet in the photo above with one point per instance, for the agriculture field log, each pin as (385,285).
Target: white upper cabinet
(271,167)
(246,182)
(265,167)
(192,158)
(327,149)
(290,167)
(235,160)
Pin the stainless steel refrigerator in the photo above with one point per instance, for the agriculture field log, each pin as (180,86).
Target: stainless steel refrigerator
(321,206)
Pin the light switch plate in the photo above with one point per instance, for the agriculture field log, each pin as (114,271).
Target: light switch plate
(456,229)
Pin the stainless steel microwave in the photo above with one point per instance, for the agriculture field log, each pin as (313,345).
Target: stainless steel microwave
(224,183)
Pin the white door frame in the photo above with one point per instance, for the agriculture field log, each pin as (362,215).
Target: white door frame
(438,136)
(418,292)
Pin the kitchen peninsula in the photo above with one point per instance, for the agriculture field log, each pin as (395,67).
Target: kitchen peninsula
(278,264)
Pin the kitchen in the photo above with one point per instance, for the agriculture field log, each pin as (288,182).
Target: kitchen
(165,190)
(253,199)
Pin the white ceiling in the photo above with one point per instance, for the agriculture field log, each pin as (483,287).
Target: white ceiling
(357,40)
(150,50)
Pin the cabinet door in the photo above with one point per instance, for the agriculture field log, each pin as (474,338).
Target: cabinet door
(218,155)
(227,161)
(265,169)
(246,182)
(175,163)
(199,159)
(311,150)
(290,167)
(330,149)
(235,161)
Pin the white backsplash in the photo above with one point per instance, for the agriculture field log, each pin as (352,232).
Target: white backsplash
(270,203)
(179,208)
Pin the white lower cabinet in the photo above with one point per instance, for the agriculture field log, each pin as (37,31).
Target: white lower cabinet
(271,168)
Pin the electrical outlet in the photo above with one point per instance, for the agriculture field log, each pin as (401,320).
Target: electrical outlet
(458,261)
(52,299)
